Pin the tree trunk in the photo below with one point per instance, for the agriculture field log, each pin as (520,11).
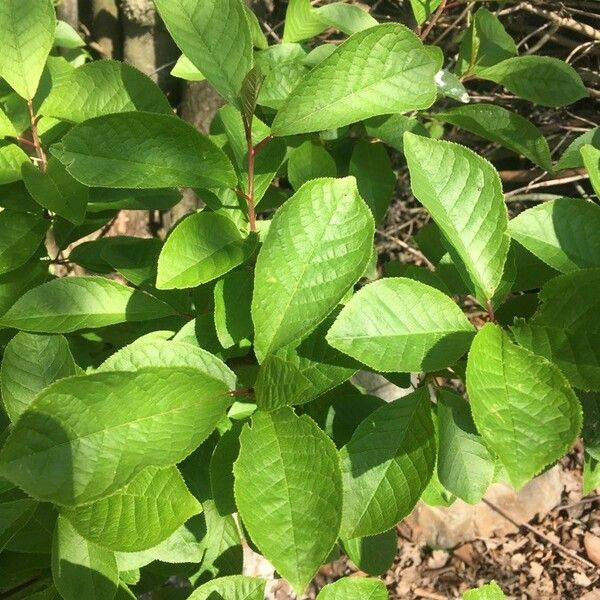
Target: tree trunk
(102,19)
(68,11)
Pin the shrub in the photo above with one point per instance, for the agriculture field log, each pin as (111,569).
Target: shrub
(208,375)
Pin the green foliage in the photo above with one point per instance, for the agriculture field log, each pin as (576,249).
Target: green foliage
(178,393)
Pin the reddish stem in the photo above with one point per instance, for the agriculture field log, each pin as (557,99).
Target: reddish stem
(251,163)
(490,312)
(37,144)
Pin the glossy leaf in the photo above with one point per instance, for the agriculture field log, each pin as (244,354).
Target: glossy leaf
(560,232)
(301,22)
(354,588)
(309,161)
(371,166)
(485,43)
(301,253)
(29,365)
(143,150)
(22,234)
(288,500)
(12,159)
(85,437)
(234,587)
(504,127)
(541,79)
(465,466)
(398,324)
(151,507)
(101,88)
(215,36)
(387,465)
(201,248)
(522,405)
(80,568)
(27,30)
(233,297)
(591,162)
(381,70)
(348,18)
(72,303)
(571,158)
(463,193)
(321,364)
(491,591)
(57,191)
(279,383)
(375,554)
(13,516)
(566,327)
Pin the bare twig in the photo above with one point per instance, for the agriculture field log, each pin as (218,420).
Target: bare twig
(567,22)
(434,19)
(37,144)
(559,547)
(409,249)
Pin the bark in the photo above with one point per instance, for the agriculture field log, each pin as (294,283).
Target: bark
(102,18)
(68,11)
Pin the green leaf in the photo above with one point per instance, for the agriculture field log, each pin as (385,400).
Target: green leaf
(101,88)
(560,232)
(259,39)
(491,591)
(66,37)
(7,129)
(35,537)
(13,516)
(309,161)
(397,324)
(267,161)
(465,467)
(233,297)
(463,193)
(29,365)
(544,80)
(375,554)
(221,469)
(279,383)
(202,247)
(73,303)
(348,18)
(423,9)
(27,31)
(250,90)
(80,568)
(15,283)
(143,150)
(504,127)
(387,465)
(301,22)
(145,512)
(590,402)
(566,327)
(284,67)
(288,500)
(390,129)
(12,159)
(571,158)
(56,190)
(234,587)
(323,366)
(591,474)
(215,36)
(591,161)
(371,166)
(185,69)
(85,437)
(521,403)
(484,44)
(381,70)
(300,252)
(22,234)
(354,588)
